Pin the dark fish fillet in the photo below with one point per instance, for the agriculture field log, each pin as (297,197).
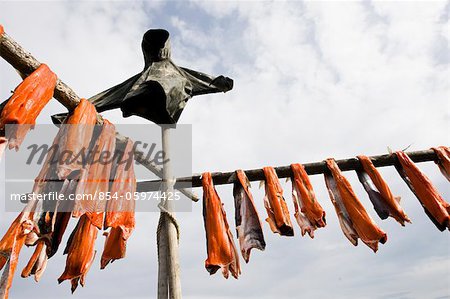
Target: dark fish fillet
(248,225)
(374,196)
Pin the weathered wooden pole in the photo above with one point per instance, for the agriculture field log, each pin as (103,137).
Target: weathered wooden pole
(168,261)
(223,178)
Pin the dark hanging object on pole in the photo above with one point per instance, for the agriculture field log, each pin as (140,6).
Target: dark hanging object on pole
(160,92)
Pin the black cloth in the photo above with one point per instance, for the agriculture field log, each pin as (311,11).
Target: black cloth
(160,92)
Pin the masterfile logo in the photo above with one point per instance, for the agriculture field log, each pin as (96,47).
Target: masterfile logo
(48,167)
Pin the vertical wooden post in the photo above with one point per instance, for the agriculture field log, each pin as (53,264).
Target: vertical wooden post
(168,260)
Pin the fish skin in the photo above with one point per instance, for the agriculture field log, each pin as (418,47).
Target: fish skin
(279,219)
(308,212)
(365,227)
(443,154)
(390,202)
(75,138)
(80,252)
(248,225)
(222,253)
(434,204)
(343,217)
(94,179)
(375,197)
(27,101)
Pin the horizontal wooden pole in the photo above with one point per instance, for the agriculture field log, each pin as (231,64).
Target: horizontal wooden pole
(223,178)
(25,63)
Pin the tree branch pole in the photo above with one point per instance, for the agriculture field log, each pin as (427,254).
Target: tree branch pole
(25,63)
(223,178)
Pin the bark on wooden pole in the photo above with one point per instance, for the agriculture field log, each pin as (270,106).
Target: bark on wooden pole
(168,240)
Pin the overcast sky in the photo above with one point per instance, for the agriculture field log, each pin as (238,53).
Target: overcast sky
(312,81)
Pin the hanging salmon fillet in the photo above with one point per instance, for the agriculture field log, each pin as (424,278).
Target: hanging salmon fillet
(385,203)
(362,223)
(275,204)
(37,263)
(94,179)
(344,219)
(248,226)
(115,247)
(1,30)
(443,154)
(11,245)
(27,101)
(75,137)
(222,252)
(308,212)
(434,205)
(120,212)
(80,252)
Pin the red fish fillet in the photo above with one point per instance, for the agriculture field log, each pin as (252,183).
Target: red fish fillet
(222,252)
(435,206)
(275,204)
(308,211)
(363,224)
(27,101)
(443,154)
(81,252)
(10,246)
(115,247)
(37,263)
(391,203)
(94,181)
(75,137)
(120,211)
(248,226)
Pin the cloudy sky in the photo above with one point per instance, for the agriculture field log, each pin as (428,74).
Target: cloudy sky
(312,81)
